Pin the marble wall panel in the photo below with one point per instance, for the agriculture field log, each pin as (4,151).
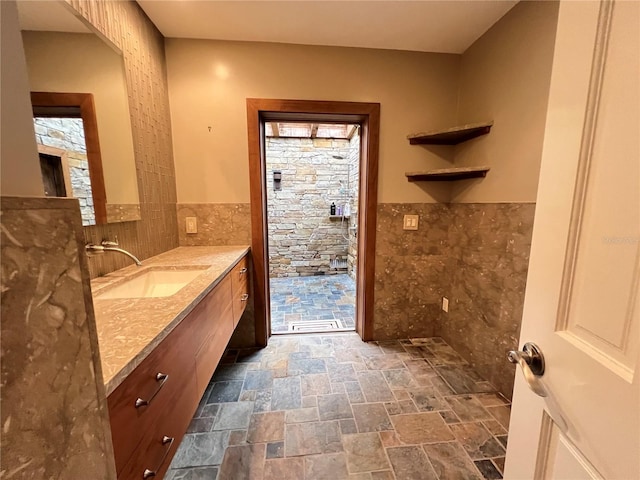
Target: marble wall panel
(121,212)
(412,270)
(54,415)
(490,246)
(477,255)
(431,238)
(218,224)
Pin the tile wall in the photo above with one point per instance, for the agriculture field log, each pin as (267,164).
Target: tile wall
(142,45)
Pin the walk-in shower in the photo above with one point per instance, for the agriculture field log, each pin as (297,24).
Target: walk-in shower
(312,211)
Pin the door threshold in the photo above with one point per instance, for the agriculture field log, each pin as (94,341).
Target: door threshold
(305,332)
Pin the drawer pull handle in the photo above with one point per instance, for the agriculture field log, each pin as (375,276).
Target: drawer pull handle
(244,297)
(152,473)
(243,271)
(160,377)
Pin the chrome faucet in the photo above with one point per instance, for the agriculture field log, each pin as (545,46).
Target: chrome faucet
(108,246)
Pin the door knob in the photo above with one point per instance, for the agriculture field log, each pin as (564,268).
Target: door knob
(531,360)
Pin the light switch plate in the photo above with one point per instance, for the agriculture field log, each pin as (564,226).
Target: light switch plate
(445,304)
(410,222)
(192,224)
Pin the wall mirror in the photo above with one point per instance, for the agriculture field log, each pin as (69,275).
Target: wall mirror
(81,113)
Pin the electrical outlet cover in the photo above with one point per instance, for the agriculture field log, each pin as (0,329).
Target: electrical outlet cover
(191,224)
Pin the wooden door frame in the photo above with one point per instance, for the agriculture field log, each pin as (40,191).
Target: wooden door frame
(83,101)
(367,115)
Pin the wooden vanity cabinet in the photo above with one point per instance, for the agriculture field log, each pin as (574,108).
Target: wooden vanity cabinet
(215,326)
(151,409)
(140,401)
(162,438)
(240,284)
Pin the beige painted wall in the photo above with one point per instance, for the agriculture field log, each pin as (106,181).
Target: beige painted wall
(83,63)
(505,77)
(20,167)
(210,80)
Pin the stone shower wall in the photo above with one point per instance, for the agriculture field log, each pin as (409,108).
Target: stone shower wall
(303,239)
(354,181)
(68,134)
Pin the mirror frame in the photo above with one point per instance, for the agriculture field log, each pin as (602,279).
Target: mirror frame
(83,101)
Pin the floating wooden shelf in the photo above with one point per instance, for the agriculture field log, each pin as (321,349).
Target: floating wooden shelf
(450,136)
(447,174)
(337,217)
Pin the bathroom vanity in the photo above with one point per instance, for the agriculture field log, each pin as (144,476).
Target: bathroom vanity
(160,346)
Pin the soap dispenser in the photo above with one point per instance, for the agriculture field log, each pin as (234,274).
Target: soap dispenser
(332,210)
(346,211)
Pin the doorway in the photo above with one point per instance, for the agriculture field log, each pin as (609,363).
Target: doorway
(67,129)
(64,162)
(52,175)
(312,210)
(260,113)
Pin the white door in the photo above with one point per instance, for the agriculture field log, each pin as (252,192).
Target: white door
(581,305)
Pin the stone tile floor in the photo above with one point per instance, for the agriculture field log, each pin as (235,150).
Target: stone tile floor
(312,299)
(312,407)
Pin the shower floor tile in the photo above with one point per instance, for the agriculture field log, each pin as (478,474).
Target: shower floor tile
(335,412)
(308,304)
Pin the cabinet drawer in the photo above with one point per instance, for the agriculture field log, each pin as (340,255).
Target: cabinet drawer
(240,279)
(210,353)
(212,313)
(148,392)
(214,324)
(152,453)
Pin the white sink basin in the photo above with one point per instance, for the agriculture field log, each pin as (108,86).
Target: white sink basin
(152,284)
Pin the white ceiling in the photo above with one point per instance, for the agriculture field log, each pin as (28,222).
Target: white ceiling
(48,16)
(427,26)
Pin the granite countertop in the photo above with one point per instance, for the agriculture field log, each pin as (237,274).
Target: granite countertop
(130,328)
